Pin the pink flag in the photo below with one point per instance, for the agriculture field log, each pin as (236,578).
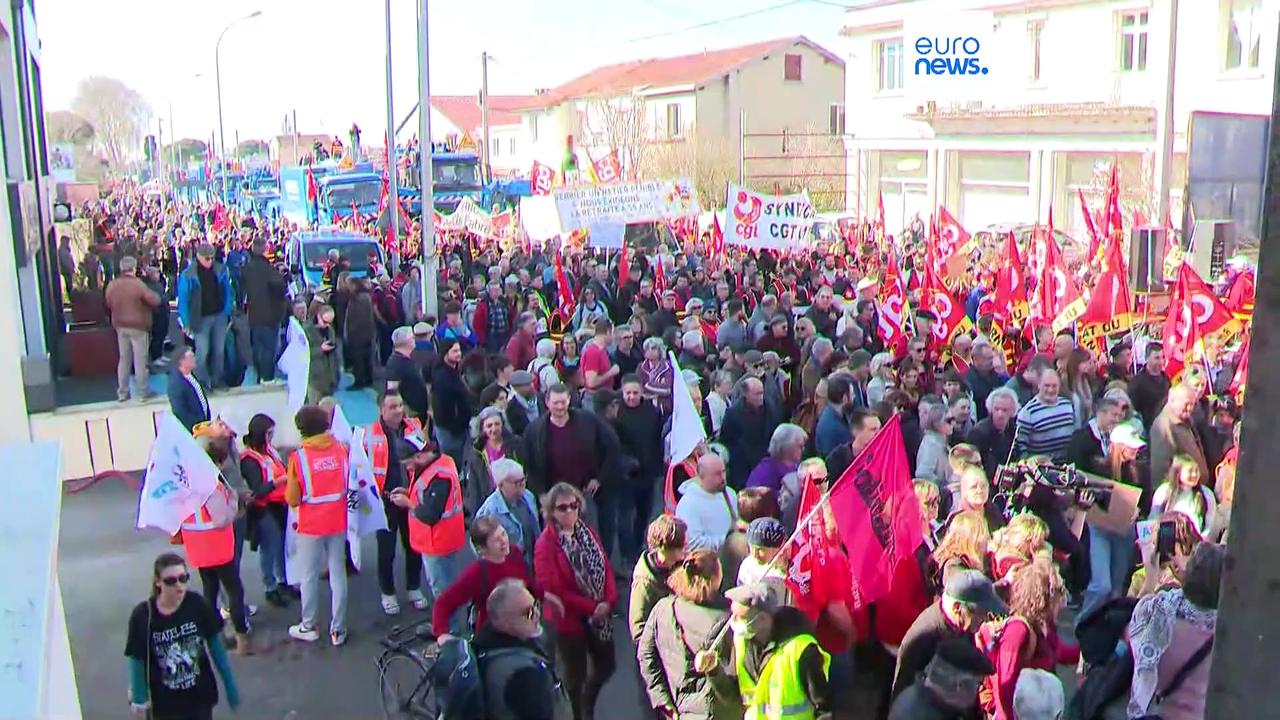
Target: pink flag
(877,513)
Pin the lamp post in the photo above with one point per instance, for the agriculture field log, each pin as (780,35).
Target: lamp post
(217,69)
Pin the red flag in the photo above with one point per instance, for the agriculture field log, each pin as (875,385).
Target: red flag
(877,513)
(1010,306)
(355,214)
(1240,296)
(880,208)
(608,168)
(567,304)
(1139,220)
(1057,301)
(220,220)
(313,190)
(1115,221)
(1109,310)
(1095,243)
(1210,314)
(813,552)
(541,178)
(717,237)
(1180,336)
(953,239)
(893,301)
(935,296)
(624,265)
(659,277)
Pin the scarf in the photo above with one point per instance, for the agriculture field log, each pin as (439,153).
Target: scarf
(587,560)
(1150,632)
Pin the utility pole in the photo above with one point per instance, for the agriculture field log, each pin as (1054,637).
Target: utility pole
(295,137)
(393,184)
(1165,131)
(484,113)
(430,261)
(742,147)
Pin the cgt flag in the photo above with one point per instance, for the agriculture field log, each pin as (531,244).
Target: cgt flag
(877,513)
(608,169)
(542,178)
(365,513)
(180,477)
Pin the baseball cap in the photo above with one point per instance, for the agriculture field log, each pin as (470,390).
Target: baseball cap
(867,282)
(766,532)
(973,588)
(521,377)
(421,329)
(1125,435)
(758,596)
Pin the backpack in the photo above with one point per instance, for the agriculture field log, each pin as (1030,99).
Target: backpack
(459,685)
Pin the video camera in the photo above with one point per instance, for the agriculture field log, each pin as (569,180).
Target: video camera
(1041,486)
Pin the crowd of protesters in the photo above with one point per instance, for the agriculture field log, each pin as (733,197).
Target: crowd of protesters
(522,450)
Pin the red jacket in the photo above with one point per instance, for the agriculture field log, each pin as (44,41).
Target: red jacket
(552,571)
(474,585)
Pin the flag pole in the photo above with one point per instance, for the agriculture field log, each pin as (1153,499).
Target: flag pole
(822,501)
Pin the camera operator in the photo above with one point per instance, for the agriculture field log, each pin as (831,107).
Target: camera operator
(1048,491)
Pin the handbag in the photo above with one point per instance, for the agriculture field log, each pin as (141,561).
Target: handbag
(1180,677)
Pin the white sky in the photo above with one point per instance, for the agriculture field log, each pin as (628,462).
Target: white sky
(325,58)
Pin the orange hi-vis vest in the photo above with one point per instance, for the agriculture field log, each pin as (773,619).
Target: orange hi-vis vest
(447,535)
(273,474)
(208,546)
(375,446)
(323,510)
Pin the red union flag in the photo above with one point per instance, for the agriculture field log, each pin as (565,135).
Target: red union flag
(608,168)
(934,296)
(1010,305)
(1109,310)
(1211,315)
(952,237)
(893,300)
(876,512)
(541,178)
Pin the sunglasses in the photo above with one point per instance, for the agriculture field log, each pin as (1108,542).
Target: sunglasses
(567,507)
(172,580)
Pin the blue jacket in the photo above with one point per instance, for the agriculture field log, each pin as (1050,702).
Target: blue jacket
(496,506)
(189,293)
(831,431)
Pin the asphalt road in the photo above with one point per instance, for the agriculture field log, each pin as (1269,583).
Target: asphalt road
(104,567)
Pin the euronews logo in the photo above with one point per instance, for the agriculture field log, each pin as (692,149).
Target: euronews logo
(956,55)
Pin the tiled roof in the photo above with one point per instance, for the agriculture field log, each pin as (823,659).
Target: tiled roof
(464,110)
(690,69)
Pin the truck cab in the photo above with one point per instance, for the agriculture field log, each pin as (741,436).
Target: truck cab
(307,253)
(454,175)
(336,190)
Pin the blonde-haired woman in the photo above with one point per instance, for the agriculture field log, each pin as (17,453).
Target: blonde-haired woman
(680,626)
(881,377)
(964,546)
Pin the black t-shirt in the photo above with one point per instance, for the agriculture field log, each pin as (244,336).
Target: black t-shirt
(920,643)
(211,298)
(179,673)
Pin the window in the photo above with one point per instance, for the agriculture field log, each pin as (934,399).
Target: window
(836,121)
(792,67)
(1133,41)
(673,120)
(1244,37)
(511,146)
(497,144)
(533,127)
(889,65)
(1035,28)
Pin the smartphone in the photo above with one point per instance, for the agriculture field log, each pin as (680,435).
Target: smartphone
(1165,540)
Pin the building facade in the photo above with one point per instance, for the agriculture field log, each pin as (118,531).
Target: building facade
(508,153)
(1086,84)
(772,112)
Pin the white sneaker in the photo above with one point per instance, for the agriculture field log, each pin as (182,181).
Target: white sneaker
(390,605)
(338,638)
(303,633)
(418,599)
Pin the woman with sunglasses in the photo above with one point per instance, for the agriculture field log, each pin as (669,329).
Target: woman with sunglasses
(171,640)
(570,562)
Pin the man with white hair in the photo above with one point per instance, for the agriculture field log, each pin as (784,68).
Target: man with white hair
(519,678)
(693,352)
(708,506)
(129,303)
(1038,695)
(513,506)
(993,435)
(543,367)
(403,374)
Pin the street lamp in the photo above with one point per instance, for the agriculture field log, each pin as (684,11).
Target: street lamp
(217,68)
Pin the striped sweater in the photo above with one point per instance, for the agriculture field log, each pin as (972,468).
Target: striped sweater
(1044,428)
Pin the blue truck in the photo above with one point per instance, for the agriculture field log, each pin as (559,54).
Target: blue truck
(337,192)
(454,175)
(307,252)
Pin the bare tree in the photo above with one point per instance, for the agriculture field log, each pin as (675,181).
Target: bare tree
(118,113)
(251,147)
(710,161)
(64,126)
(619,124)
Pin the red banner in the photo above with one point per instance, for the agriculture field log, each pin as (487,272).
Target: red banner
(877,513)
(893,302)
(541,178)
(608,168)
(1109,310)
(1010,306)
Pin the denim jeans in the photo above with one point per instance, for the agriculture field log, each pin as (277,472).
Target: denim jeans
(312,552)
(442,571)
(210,335)
(264,340)
(271,549)
(1110,560)
(453,444)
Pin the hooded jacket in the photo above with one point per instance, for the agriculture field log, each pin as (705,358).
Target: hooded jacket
(675,631)
(709,516)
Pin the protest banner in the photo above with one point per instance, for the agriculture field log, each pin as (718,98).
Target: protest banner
(178,480)
(365,513)
(606,236)
(470,217)
(295,364)
(582,206)
(767,222)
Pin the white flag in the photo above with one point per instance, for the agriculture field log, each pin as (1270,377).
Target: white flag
(178,480)
(292,570)
(686,431)
(295,363)
(365,513)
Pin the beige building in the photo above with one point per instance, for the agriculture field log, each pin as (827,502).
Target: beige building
(684,116)
(1084,84)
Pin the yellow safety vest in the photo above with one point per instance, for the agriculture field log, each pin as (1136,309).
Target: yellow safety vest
(778,694)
